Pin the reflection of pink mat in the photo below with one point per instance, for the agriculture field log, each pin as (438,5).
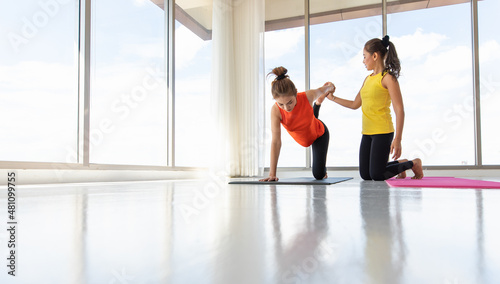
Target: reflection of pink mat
(442,182)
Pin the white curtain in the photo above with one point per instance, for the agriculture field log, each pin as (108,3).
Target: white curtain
(237,86)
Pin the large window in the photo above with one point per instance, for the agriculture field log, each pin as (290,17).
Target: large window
(193,51)
(434,46)
(284,46)
(43,86)
(489,60)
(336,56)
(128,96)
(38,81)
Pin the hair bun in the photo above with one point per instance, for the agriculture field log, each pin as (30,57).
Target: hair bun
(385,41)
(280,73)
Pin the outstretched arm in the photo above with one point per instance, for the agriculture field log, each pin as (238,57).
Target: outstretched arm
(275,143)
(348,103)
(355,104)
(326,90)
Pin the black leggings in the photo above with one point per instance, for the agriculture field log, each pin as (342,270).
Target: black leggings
(373,156)
(320,149)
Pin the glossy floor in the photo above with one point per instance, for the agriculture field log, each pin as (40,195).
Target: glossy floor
(206,231)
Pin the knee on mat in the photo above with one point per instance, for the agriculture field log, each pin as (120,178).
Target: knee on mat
(378,176)
(365,176)
(372,176)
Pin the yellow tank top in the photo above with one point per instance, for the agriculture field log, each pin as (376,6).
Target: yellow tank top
(375,104)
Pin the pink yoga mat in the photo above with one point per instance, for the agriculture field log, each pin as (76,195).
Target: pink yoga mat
(442,182)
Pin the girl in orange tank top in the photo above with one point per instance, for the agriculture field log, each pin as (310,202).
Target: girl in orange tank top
(295,111)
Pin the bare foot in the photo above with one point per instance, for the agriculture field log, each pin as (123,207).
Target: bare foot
(329,94)
(326,176)
(417,169)
(402,175)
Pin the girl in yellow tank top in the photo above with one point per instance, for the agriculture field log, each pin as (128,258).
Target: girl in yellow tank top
(379,90)
(375,106)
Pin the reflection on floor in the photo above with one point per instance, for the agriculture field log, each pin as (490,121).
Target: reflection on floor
(205,231)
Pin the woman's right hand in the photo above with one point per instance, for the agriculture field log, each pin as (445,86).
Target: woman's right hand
(331,88)
(270,178)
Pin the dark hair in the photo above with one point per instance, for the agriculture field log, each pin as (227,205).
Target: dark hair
(387,51)
(282,85)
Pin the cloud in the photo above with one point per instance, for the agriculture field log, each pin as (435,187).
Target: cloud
(451,60)
(417,45)
(187,46)
(283,42)
(39,106)
(436,76)
(143,50)
(489,51)
(185,85)
(436,84)
(140,3)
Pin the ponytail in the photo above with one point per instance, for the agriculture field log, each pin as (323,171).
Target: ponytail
(386,50)
(282,85)
(392,64)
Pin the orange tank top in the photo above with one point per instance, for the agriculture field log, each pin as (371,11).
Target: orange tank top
(301,123)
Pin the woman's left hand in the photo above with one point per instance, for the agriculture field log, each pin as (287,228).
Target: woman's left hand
(396,149)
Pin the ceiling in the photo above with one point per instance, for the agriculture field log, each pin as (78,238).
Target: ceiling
(282,14)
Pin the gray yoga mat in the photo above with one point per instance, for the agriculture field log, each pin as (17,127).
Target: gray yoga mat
(297,180)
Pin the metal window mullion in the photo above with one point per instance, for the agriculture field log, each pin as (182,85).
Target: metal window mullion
(307,66)
(384,17)
(80,64)
(169,7)
(476,83)
(84,81)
